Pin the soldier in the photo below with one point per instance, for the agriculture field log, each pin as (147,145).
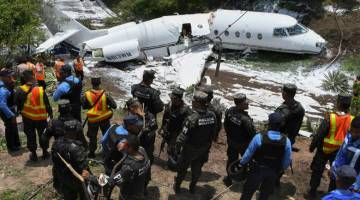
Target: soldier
(174,115)
(33,104)
(69,88)
(215,109)
(240,130)
(132,176)
(292,112)
(7,109)
(75,154)
(272,154)
(330,135)
(147,95)
(148,132)
(99,105)
(194,142)
(56,127)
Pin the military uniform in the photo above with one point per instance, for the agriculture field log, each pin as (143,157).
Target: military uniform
(148,134)
(293,114)
(215,109)
(99,112)
(56,127)
(239,128)
(147,95)
(195,141)
(330,135)
(76,155)
(7,111)
(70,88)
(173,119)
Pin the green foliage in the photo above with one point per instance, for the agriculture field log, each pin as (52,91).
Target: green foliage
(345,4)
(352,63)
(335,81)
(19,27)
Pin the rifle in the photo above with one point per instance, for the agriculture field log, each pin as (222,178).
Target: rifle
(97,100)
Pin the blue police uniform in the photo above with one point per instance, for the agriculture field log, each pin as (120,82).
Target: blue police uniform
(119,131)
(349,154)
(266,171)
(341,195)
(7,112)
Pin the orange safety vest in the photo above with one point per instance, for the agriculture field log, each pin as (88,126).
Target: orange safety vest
(39,72)
(339,126)
(78,65)
(58,65)
(34,106)
(100,111)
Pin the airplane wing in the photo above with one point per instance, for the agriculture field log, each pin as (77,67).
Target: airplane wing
(56,39)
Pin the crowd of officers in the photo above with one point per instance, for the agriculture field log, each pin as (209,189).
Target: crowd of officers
(128,148)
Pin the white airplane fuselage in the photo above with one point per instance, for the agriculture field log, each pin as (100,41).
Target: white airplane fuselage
(163,36)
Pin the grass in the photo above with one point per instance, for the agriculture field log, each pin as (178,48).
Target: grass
(351,63)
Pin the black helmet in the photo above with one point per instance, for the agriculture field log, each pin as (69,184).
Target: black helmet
(172,163)
(238,172)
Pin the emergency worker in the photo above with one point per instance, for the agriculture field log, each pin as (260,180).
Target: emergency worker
(33,104)
(148,96)
(240,130)
(39,72)
(272,154)
(328,140)
(293,113)
(348,154)
(194,142)
(70,88)
(78,67)
(7,109)
(99,105)
(174,116)
(59,63)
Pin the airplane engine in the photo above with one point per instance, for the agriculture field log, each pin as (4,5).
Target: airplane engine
(118,52)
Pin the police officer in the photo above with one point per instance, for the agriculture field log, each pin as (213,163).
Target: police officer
(293,113)
(7,109)
(33,104)
(148,132)
(99,105)
(345,177)
(240,130)
(330,135)
(214,108)
(75,154)
(56,127)
(147,95)
(132,176)
(174,115)
(348,154)
(194,142)
(272,154)
(69,88)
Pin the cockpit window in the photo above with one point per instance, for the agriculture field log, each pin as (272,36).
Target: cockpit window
(296,30)
(280,32)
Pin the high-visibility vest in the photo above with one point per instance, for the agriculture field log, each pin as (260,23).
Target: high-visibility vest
(339,126)
(78,65)
(58,65)
(100,111)
(34,106)
(39,72)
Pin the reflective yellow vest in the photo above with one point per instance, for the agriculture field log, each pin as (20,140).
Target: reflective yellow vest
(34,106)
(100,111)
(339,126)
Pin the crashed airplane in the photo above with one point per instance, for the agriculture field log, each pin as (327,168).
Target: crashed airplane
(161,37)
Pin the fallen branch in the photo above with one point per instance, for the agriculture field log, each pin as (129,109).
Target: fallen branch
(223,192)
(42,186)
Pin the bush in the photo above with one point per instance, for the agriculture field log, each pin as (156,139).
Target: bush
(336,81)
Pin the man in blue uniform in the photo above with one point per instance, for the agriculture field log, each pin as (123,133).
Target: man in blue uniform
(272,154)
(69,88)
(7,109)
(345,177)
(348,154)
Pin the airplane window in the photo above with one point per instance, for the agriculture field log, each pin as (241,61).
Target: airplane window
(260,36)
(216,32)
(200,26)
(296,30)
(237,34)
(279,32)
(248,35)
(226,33)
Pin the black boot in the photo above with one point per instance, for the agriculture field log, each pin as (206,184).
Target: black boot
(176,186)
(192,187)
(33,156)
(45,154)
(227,181)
